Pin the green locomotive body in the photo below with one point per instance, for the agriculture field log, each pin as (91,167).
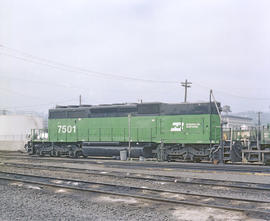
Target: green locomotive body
(186,130)
(176,129)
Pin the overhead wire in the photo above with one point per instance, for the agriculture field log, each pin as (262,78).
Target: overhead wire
(18,93)
(230,94)
(92,73)
(39,105)
(40,82)
(35,59)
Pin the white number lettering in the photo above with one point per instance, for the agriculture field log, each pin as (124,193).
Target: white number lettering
(66,129)
(69,129)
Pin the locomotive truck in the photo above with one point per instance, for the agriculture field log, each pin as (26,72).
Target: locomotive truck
(168,131)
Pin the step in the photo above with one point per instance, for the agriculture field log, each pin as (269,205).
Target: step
(226,158)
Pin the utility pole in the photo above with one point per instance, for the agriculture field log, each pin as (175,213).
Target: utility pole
(186,85)
(80,100)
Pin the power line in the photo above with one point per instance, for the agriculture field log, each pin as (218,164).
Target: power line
(128,78)
(48,65)
(40,105)
(230,94)
(38,60)
(42,61)
(18,93)
(41,82)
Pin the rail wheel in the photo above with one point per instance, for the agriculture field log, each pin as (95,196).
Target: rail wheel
(77,154)
(58,154)
(41,153)
(52,153)
(71,154)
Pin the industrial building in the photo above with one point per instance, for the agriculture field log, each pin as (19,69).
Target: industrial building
(237,122)
(15,129)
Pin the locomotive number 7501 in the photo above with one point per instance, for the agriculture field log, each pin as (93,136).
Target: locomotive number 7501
(66,129)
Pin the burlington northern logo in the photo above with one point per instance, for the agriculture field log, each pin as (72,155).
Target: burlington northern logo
(177,126)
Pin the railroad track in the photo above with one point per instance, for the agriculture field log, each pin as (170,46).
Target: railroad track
(23,155)
(147,164)
(227,203)
(148,177)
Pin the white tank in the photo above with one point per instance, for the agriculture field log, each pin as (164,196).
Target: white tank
(15,130)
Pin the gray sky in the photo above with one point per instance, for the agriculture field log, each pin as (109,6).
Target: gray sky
(223,45)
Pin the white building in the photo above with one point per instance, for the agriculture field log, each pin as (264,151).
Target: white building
(243,123)
(15,128)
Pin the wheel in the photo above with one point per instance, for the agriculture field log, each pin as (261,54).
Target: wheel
(71,154)
(77,154)
(41,153)
(58,154)
(52,153)
(36,152)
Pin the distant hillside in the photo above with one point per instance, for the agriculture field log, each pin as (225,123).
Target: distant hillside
(265,116)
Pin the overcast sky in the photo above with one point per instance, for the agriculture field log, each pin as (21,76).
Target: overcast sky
(223,45)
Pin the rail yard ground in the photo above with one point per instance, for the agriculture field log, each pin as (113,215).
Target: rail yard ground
(39,188)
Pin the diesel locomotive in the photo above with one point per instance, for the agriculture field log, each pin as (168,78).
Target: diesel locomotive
(168,131)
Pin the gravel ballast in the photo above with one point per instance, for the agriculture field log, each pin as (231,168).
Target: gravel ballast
(172,186)
(29,202)
(20,201)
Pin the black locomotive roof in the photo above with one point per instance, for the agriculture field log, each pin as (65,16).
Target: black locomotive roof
(136,109)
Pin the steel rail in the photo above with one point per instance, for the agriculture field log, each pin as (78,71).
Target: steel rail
(184,166)
(24,154)
(138,176)
(155,165)
(82,186)
(27,156)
